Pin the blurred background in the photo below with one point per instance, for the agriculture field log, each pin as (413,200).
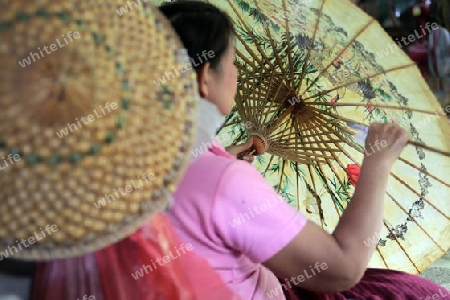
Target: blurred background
(401,18)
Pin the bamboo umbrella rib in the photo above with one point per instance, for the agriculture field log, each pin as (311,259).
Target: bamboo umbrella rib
(247,100)
(251,88)
(286,136)
(304,156)
(429,148)
(382,256)
(272,81)
(246,60)
(282,129)
(243,24)
(415,221)
(359,80)
(313,116)
(337,133)
(271,40)
(312,112)
(277,92)
(351,144)
(349,156)
(306,149)
(252,54)
(283,162)
(284,122)
(240,105)
(260,104)
(244,86)
(333,169)
(227,119)
(260,92)
(329,189)
(374,105)
(308,54)
(268,165)
(289,143)
(318,200)
(283,152)
(297,178)
(338,55)
(327,134)
(289,50)
(336,119)
(425,172)
(342,118)
(338,161)
(413,143)
(279,120)
(396,239)
(226,124)
(311,191)
(418,195)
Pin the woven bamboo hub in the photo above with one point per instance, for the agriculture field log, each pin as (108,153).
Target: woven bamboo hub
(260,143)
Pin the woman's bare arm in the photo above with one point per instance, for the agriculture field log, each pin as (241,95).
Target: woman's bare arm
(344,252)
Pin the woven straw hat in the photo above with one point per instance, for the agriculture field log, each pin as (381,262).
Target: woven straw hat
(93,134)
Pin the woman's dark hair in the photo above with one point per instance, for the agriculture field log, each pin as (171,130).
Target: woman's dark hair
(200,26)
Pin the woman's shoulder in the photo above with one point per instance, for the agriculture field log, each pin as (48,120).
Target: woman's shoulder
(217,170)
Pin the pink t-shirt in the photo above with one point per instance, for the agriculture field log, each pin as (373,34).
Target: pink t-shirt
(232,217)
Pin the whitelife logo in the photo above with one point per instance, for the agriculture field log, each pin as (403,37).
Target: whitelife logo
(443,293)
(123,191)
(373,240)
(86,120)
(31,240)
(319,267)
(243,217)
(411,39)
(181,69)
(53,47)
(86,297)
(12,158)
(162,261)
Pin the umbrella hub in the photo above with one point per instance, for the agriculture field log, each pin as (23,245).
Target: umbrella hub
(293,102)
(260,143)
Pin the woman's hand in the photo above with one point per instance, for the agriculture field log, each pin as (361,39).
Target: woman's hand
(384,143)
(235,150)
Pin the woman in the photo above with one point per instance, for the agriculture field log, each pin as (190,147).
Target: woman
(278,241)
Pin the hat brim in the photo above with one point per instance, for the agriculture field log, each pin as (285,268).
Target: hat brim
(94,134)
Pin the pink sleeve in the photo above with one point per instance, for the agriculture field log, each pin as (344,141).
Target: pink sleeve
(251,217)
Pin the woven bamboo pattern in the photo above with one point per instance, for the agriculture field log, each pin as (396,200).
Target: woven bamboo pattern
(134,150)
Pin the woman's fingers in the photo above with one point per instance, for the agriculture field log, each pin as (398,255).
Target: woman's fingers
(235,150)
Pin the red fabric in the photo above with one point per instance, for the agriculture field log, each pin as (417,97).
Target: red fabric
(353,172)
(107,274)
(382,284)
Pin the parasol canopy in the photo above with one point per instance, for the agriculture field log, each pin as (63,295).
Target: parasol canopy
(313,75)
